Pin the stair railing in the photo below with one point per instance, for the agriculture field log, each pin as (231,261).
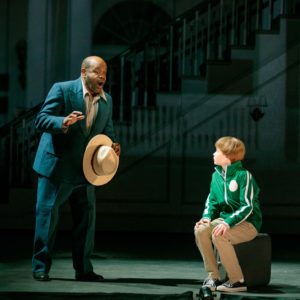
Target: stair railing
(184,47)
(154,66)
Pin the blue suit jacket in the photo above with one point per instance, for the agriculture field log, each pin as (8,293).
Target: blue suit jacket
(59,155)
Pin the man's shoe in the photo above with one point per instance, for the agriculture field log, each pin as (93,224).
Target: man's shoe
(211,283)
(90,276)
(41,276)
(232,287)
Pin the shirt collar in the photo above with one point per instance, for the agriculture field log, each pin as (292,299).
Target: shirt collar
(85,92)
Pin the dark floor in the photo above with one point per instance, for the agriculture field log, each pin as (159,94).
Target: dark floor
(135,266)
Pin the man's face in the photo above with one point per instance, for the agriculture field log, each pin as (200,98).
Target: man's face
(95,77)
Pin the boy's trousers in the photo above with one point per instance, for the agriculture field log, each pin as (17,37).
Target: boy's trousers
(206,243)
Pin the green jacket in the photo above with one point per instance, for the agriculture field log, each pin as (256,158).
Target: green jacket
(233,196)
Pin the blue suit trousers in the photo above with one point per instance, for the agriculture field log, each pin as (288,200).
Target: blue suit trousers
(50,197)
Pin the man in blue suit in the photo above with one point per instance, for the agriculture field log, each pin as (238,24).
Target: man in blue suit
(72,114)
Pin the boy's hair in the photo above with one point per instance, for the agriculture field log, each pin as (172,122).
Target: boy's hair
(232,147)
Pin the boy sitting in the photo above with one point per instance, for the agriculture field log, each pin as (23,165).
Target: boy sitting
(231,216)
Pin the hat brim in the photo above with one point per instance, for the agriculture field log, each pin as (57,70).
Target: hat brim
(88,170)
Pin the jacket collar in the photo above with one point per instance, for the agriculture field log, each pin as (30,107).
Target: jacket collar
(231,169)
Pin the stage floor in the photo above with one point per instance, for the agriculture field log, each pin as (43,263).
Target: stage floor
(134,267)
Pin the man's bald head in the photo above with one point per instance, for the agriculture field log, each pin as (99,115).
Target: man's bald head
(92,61)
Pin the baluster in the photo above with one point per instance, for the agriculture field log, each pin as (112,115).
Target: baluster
(233,31)
(220,30)
(171,59)
(270,14)
(23,163)
(245,22)
(208,30)
(203,50)
(196,43)
(183,46)
(121,88)
(145,75)
(282,7)
(258,10)
(11,159)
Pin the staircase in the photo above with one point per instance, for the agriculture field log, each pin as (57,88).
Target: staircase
(209,73)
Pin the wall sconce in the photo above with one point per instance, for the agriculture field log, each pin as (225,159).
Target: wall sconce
(257,106)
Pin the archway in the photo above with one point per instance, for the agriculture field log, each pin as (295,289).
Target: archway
(128,22)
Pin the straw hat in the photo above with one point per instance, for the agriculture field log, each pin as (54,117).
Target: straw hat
(100,161)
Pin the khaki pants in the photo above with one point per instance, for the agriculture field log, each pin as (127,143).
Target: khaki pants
(240,233)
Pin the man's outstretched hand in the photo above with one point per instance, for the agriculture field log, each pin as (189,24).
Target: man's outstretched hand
(73,117)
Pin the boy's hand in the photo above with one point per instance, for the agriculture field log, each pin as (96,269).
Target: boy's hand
(220,229)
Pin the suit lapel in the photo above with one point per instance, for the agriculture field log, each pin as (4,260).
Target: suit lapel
(78,102)
(79,105)
(100,118)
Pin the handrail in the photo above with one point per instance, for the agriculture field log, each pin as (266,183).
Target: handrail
(193,16)
(19,119)
(183,48)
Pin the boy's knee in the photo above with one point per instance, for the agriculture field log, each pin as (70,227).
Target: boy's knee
(217,239)
(201,230)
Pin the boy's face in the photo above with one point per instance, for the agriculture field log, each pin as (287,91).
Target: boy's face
(220,159)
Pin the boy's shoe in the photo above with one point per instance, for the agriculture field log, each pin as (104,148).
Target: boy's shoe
(232,287)
(211,283)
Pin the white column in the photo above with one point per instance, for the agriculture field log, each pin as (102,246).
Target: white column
(80,34)
(4,36)
(16,47)
(3,56)
(37,51)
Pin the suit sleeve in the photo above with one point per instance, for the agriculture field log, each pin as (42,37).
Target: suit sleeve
(50,118)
